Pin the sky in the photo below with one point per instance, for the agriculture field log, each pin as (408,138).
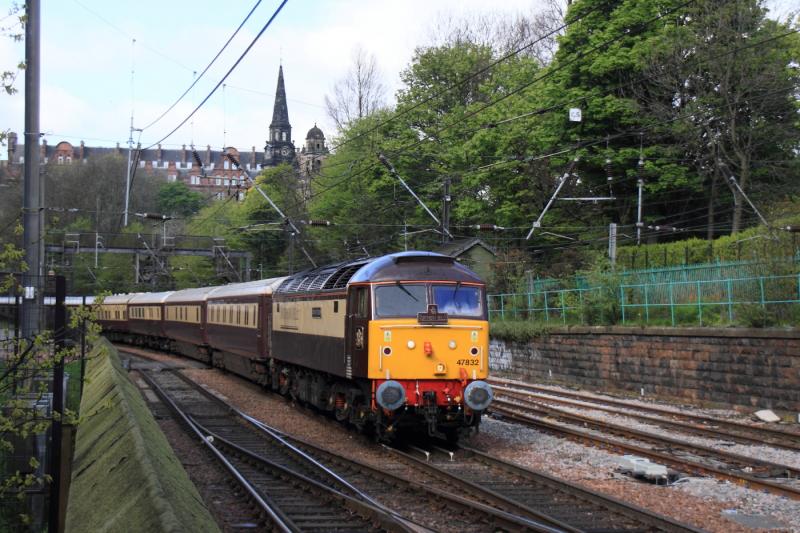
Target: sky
(88,93)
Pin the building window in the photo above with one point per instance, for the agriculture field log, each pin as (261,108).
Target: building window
(69,159)
(226,164)
(60,159)
(171,177)
(283,135)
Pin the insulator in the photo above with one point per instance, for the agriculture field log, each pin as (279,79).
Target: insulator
(318,223)
(608,170)
(196,157)
(488,227)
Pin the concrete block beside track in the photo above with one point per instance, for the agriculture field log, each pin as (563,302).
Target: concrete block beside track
(125,474)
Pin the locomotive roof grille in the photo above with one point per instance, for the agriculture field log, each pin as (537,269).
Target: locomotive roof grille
(319,281)
(343,275)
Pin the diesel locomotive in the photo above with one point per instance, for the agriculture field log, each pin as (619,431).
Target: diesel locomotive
(389,343)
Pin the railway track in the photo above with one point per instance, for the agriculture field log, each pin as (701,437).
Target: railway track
(468,491)
(672,452)
(512,486)
(352,492)
(289,498)
(705,426)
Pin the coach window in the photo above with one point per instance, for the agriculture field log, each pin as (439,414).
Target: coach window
(336,306)
(316,312)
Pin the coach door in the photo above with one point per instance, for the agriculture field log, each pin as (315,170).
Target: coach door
(357,330)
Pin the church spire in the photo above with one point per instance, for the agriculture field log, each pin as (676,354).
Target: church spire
(280,113)
(279,148)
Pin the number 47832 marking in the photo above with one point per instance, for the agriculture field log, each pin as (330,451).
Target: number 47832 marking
(467,362)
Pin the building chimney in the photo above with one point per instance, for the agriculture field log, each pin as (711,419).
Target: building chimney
(208,154)
(117,151)
(183,156)
(82,151)
(158,154)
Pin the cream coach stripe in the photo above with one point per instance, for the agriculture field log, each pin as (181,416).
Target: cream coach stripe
(297,317)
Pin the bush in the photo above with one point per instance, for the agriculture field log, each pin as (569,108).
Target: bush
(518,330)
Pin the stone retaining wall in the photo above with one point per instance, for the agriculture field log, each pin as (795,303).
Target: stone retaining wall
(125,474)
(729,366)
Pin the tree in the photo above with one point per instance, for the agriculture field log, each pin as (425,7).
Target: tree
(177,199)
(728,79)
(359,94)
(533,34)
(8,77)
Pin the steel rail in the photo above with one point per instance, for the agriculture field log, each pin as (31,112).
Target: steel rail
(497,517)
(661,457)
(376,512)
(697,449)
(786,436)
(535,478)
(280,521)
(633,511)
(701,430)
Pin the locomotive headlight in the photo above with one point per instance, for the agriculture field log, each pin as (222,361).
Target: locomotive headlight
(452,345)
(411,345)
(473,351)
(390,395)
(478,395)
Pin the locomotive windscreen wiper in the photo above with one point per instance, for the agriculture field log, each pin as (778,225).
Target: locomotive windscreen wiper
(406,290)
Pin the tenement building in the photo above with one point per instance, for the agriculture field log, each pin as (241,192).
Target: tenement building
(201,168)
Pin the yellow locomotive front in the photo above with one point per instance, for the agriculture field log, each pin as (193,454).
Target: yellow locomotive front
(428,347)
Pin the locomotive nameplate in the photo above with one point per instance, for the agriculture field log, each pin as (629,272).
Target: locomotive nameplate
(432,317)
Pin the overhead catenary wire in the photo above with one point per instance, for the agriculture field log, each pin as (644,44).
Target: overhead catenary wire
(210,63)
(225,77)
(550,72)
(550,108)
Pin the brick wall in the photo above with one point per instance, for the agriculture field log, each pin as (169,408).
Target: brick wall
(744,367)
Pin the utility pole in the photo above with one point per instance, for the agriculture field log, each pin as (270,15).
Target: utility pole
(612,243)
(33,190)
(446,211)
(130,135)
(128,174)
(640,186)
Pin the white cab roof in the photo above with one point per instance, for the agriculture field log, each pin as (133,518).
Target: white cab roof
(119,298)
(191,295)
(248,288)
(149,298)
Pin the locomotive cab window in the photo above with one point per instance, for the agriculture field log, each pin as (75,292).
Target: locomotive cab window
(400,300)
(458,300)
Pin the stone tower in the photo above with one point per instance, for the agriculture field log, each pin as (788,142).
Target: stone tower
(279,148)
(313,153)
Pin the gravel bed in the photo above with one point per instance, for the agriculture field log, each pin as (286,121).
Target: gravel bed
(733,415)
(763,452)
(230,510)
(701,502)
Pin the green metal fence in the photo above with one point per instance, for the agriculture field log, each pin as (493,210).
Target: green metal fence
(694,295)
